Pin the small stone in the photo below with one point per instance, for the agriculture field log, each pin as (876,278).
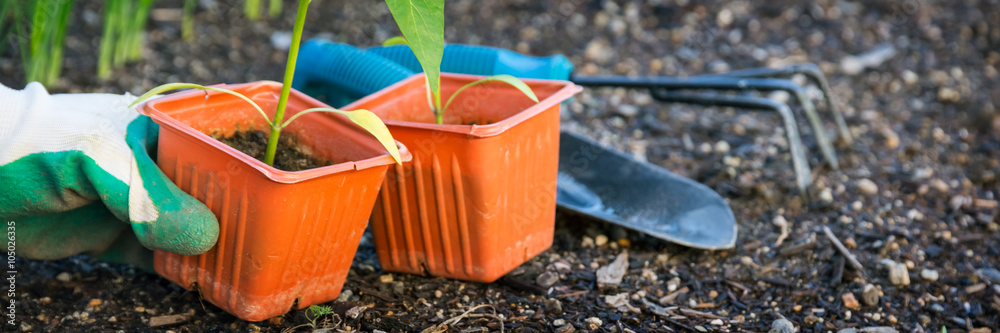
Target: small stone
(876,317)
(628,111)
(705,148)
(281,40)
(553,306)
(345,295)
(593,323)
(95,303)
(937,308)
(892,319)
(624,242)
(909,77)
(929,274)
(924,320)
(140,309)
(722,147)
(826,195)
(857,205)
(387,278)
(850,301)
(782,326)
(64,277)
(600,240)
(587,242)
(558,322)
(867,186)
(870,295)
(438,293)
(716,322)
(989,274)
(898,274)
(547,279)
(850,243)
(673,283)
(946,94)
(398,288)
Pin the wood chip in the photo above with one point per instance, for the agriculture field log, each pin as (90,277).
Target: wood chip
(843,250)
(610,276)
(159,321)
(669,298)
(696,313)
(975,288)
(798,248)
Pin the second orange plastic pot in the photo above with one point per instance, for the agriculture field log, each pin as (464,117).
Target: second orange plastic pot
(285,237)
(478,199)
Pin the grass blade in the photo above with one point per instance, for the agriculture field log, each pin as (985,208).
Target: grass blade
(174,86)
(187,21)
(367,120)
(517,83)
(274,10)
(58,38)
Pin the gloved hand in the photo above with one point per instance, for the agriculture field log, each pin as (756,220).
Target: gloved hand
(73,167)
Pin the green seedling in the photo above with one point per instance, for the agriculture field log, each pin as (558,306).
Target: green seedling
(364,118)
(422,25)
(121,40)
(251,8)
(313,313)
(187,20)
(41,42)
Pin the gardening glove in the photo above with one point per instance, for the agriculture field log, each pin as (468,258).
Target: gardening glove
(74,166)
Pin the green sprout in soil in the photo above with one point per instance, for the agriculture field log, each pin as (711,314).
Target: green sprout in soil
(41,42)
(187,20)
(422,25)
(251,8)
(364,118)
(121,41)
(313,313)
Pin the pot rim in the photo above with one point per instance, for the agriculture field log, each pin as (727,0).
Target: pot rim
(149,108)
(478,131)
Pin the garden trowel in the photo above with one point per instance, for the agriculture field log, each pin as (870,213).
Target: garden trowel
(593,180)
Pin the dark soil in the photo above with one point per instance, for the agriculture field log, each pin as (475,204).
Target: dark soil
(917,189)
(288,156)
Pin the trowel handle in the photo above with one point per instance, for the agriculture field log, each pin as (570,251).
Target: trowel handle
(341,73)
(484,60)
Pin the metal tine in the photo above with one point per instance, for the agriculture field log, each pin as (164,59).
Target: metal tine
(812,72)
(803,174)
(728,83)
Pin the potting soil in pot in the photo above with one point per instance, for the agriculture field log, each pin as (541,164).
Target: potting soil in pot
(288,157)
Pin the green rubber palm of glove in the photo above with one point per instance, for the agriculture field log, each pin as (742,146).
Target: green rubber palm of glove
(74,168)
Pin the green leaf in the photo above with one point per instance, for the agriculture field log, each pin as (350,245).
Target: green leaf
(422,24)
(398,40)
(367,120)
(174,86)
(517,83)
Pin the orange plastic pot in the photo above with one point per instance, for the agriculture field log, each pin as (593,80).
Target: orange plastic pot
(478,199)
(284,236)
